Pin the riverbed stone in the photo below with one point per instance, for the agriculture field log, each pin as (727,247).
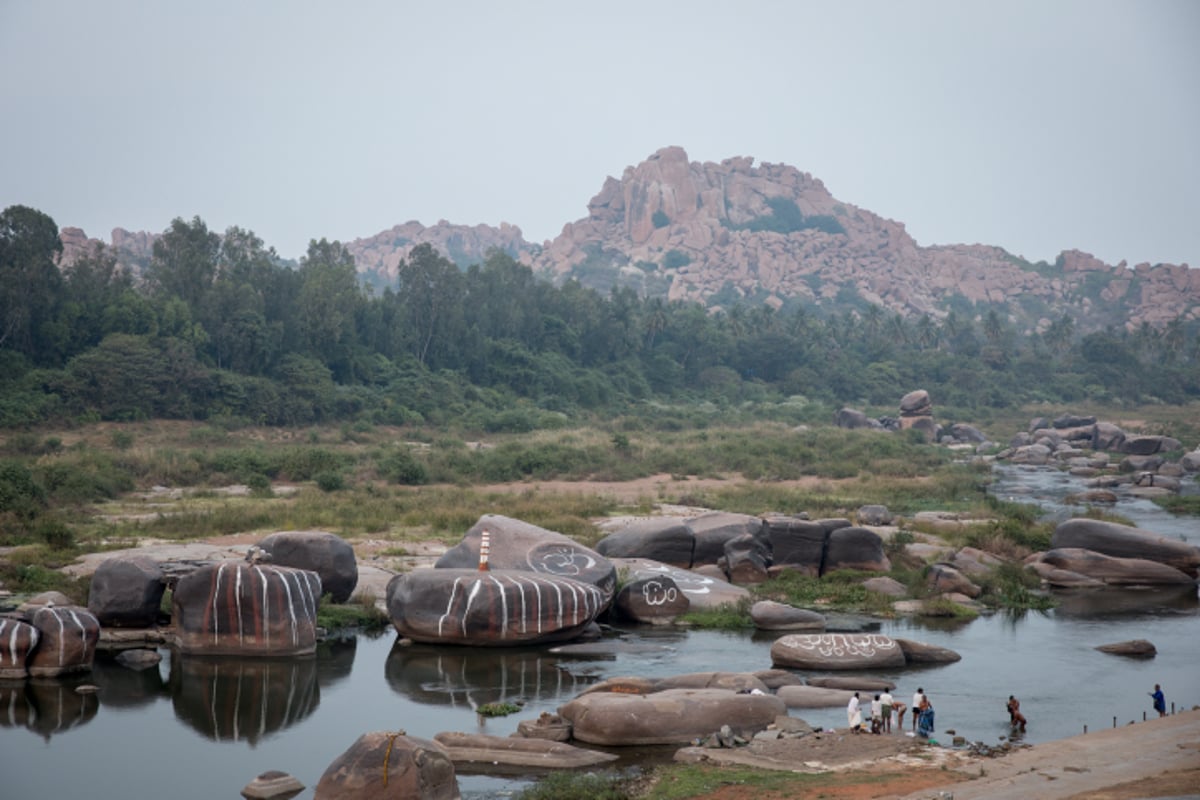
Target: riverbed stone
(1191,461)
(327,554)
(1133,648)
(518,545)
(18,639)
(769,615)
(883,584)
(673,716)
(546,726)
(1115,571)
(654,600)
(390,766)
(665,539)
(1149,445)
(67,638)
(713,529)
(475,750)
(855,683)
(733,681)
(495,608)
(836,651)
(1123,541)
(855,548)
(924,653)
(746,559)
(237,608)
(814,696)
(943,577)
(874,515)
(1063,578)
(272,785)
(706,592)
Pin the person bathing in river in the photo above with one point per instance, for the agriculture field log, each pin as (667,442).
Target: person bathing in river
(876,715)
(898,710)
(1015,717)
(886,705)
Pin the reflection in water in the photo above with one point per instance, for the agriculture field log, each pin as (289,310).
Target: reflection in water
(243,699)
(335,659)
(122,687)
(1111,602)
(471,677)
(45,706)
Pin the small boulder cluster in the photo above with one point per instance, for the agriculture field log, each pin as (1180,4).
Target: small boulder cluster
(1113,460)
(916,413)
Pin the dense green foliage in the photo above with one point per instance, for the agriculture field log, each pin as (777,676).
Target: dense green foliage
(218,327)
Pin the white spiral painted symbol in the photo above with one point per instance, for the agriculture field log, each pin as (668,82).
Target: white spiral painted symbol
(840,644)
(656,594)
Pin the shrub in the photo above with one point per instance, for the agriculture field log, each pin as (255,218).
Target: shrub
(572,785)
(401,466)
(20,495)
(55,533)
(497,709)
(330,481)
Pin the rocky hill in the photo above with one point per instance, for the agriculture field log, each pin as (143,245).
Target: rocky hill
(733,231)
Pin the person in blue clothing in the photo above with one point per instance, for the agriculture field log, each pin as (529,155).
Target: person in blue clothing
(925,717)
(1160,702)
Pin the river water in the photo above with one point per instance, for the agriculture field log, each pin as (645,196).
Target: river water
(203,728)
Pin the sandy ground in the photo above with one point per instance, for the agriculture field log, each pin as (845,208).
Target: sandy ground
(1159,758)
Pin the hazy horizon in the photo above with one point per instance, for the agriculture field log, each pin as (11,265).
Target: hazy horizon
(1036,127)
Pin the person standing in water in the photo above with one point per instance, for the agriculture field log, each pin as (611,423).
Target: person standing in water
(1015,717)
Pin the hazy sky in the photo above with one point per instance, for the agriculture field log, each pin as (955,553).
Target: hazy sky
(1034,125)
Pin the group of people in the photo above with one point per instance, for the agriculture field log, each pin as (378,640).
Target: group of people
(886,711)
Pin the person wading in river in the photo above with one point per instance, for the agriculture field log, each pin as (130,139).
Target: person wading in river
(1015,717)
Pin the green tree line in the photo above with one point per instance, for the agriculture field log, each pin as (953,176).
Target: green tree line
(220,327)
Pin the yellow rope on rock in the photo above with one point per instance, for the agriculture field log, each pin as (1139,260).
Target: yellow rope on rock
(388,755)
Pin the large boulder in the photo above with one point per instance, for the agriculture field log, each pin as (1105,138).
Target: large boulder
(702,591)
(518,545)
(874,515)
(853,418)
(1190,462)
(18,640)
(1149,445)
(1107,436)
(491,608)
(769,615)
(836,651)
(665,539)
(67,638)
(127,592)
(855,548)
(328,555)
(673,716)
(746,559)
(796,542)
(944,578)
(1134,648)
(1115,571)
(713,529)
(1123,541)
(655,600)
(237,608)
(390,766)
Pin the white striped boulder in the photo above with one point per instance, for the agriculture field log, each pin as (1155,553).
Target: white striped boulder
(17,640)
(67,640)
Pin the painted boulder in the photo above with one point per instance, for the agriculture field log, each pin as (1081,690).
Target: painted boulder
(517,545)
(491,608)
(836,651)
(702,591)
(390,766)
(655,600)
(236,608)
(67,640)
(673,716)
(328,555)
(17,640)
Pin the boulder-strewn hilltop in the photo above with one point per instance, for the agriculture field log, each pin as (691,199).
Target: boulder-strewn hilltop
(720,233)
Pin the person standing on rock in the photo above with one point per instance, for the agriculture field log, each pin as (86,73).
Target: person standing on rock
(886,704)
(1015,717)
(1160,702)
(918,699)
(854,714)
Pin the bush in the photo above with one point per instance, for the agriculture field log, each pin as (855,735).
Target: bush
(330,481)
(401,466)
(55,533)
(20,495)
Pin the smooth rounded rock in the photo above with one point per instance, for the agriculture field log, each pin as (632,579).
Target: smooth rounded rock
(654,601)
(814,696)
(769,615)
(1134,648)
(126,592)
(923,653)
(328,555)
(390,766)
(836,651)
(705,592)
